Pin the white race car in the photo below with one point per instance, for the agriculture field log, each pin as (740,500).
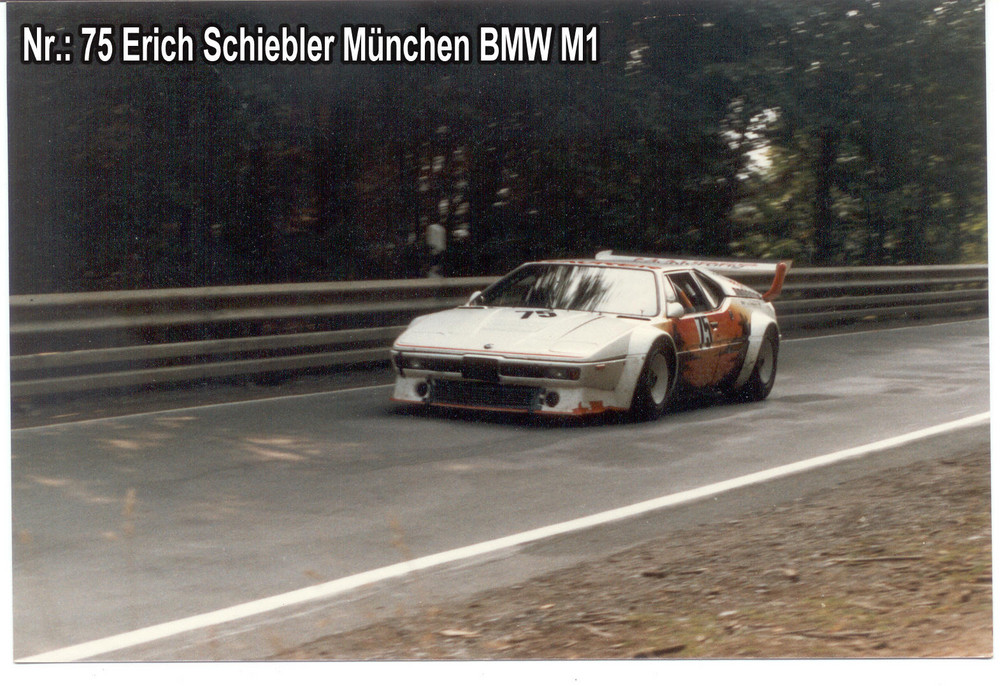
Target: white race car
(578,337)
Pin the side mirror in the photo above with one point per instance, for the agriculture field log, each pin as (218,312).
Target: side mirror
(473,298)
(675,309)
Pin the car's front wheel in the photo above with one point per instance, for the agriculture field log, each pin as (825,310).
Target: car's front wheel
(652,390)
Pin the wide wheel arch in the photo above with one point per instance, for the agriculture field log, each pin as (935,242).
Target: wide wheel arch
(651,397)
(764,371)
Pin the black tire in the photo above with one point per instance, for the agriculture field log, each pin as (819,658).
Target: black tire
(655,383)
(761,380)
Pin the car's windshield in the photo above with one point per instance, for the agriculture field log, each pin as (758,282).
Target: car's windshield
(576,287)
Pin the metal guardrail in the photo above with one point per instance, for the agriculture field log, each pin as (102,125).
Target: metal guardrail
(88,341)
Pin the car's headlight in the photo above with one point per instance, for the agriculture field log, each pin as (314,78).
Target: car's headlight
(538,371)
(576,348)
(430,364)
(563,373)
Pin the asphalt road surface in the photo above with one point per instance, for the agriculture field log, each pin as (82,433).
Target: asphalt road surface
(125,523)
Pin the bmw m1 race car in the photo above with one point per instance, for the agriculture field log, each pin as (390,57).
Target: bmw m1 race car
(579,337)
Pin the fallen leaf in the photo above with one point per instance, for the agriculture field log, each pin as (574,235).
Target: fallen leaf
(597,632)
(660,652)
(458,633)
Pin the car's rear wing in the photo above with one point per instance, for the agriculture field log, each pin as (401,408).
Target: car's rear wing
(779,269)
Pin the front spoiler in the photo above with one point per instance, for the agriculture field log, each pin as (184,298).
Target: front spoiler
(573,401)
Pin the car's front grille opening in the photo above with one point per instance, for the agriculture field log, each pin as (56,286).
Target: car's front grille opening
(486,395)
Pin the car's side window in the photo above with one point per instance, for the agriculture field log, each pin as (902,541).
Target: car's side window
(689,292)
(713,292)
(669,291)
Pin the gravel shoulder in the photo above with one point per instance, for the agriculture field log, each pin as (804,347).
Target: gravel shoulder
(896,564)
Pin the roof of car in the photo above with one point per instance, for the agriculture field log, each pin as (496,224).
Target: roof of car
(603,263)
(608,258)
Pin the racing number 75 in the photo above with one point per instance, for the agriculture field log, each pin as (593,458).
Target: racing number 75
(704,331)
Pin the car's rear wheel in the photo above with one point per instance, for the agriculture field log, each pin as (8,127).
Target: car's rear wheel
(652,390)
(761,380)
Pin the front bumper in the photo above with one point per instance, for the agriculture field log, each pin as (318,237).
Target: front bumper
(524,384)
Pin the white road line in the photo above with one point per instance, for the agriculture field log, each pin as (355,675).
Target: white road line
(326,590)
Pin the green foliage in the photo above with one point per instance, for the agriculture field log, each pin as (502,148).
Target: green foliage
(829,132)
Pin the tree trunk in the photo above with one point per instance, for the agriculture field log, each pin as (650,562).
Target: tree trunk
(823,243)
